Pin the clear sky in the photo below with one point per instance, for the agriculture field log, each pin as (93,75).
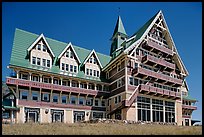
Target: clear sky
(91,24)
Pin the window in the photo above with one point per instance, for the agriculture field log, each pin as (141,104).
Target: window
(130,80)
(94,60)
(119,98)
(87,71)
(39,47)
(97,73)
(91,72)
(96,102)
(116,100)
(35,95)
(64,99)
(90,60)
(35,78)
(73,100)
(24,95)
(67,67)
(55,81)
(48,63)
(75,69)
(45,97)
(72,55)
(55,98)
(143,105)
(81,101)
(64,83)
(103,103)
(44,48)
(44,62)
(94,73)
(136,65)
(97,114)
(89,102)
(24,76)
(67,54)
(38,61)
(46,80)
(34,60)
(71,68)
(62,66)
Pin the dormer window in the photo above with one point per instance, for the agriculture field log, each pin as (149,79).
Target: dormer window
(90,60)
(38,61)
(67,54)
(67,67)
(48,63)
(44,63)
(94,60)
(34,60)
(62,66)
(71,55)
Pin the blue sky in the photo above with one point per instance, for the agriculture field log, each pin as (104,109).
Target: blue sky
(91,24)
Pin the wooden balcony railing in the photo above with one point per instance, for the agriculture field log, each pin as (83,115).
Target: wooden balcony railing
(50,86)
(153,44)
(161,76)
(189,107)
(158,61)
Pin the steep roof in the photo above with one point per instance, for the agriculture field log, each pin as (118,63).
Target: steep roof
(119,27)
(23,40)
(188,97)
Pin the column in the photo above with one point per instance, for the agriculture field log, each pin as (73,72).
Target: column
(12,104)
(87,87)
(79,83)
(17,74)
(30,94)
(126,77)
(39,99)
(61,81)
(164,111)
(151,114)
(60,97)
(102,88)
(94,100)
(51,95)
(30,76)
(136,110)
(94,86)
(52,79)
(70,83)
(40,77)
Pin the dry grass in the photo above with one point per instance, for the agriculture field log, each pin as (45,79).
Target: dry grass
(97,129)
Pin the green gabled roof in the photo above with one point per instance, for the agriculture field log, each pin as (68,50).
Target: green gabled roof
(23,40)
(141,31)
(188,97)
(119,27)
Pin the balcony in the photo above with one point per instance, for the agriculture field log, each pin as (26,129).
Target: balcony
(156,75)
(152,43)
(34,84)
(160,91)
(162,62)
(189,107)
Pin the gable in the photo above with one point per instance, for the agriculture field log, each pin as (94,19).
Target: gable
(94,55)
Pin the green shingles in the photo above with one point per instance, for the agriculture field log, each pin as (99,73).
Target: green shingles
(23,40)
(188,97)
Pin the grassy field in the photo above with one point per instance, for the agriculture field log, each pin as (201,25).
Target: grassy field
(97,129)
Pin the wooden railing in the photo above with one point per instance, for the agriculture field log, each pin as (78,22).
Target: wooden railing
(158,61)
(189,107)
(152,43)
(156,75)
(50,86)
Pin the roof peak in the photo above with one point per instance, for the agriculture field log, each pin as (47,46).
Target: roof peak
(119,27)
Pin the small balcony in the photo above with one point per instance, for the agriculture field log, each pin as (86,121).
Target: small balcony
(155,60)
(189,107)
(156,75)
(153,44)
(34,84)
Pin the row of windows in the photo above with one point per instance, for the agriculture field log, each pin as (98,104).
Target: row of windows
(69,54)
(42,47)
(120,82)
(64,99)
(92,60)
(91,72)
(40,61)
(70,68)
(118,99)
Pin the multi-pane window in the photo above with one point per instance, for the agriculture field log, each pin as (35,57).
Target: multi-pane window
(103,103)
(48,63)
(97,114)
(116,100)
(157,110)
(97,73)
(169,111)
(67,67)
(55,98)
(46,80)
(90,72)
(119,67)
(75,69)
(33,60)
(55,81)
(94,60)
(143,105)
(71,55)
(89,102)
(96,102)
(44,48)
(67,54)
(39,47)
(35,78)
(64,99)
(90,60)
(81,101)
(44,62)
(35,95)
(73,100)
(46,97)
(94,72)
(24,95)
(87,71)
(62,66)
(38,61)
(130,80)
(119,98)
(71,68)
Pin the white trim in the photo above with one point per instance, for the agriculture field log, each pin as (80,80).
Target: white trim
(35,42)
(93,51)
(65,49)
